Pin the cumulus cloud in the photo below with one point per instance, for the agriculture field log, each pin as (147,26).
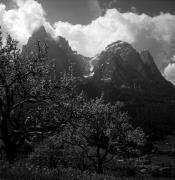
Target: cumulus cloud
(144,32)
(93,38)
(169,72)
(21,21)
(156,34)
(173,58)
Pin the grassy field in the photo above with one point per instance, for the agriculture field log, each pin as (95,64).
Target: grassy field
(166,152)
(67,174)
(164,157)
(18,172)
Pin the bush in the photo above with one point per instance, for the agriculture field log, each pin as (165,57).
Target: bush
(47,154)
(27,172)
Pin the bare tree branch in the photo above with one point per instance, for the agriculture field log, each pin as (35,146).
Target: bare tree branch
(23,102)
(19,77)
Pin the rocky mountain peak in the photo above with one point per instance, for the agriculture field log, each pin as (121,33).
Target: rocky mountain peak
(45,38)
(59,52)
(147,57)
(130,57)
(124,58)
(150,65)
(120,47)
(40,33)
(123,65)
(63,44)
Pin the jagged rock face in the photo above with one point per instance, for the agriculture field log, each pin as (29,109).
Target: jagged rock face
(59,52)
(120,73)
(122,65)
(119,64)
(130,57)
(150,66)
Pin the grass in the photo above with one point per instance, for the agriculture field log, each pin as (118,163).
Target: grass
(25,172)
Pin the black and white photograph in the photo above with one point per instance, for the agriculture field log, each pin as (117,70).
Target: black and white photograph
(87,89)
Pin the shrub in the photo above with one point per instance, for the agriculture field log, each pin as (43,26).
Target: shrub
(47,153)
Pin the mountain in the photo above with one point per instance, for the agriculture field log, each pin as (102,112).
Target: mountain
(121,73)
(150,66)
(59,52)
(123,67)
(121,63)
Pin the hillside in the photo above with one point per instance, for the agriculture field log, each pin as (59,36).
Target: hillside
(121,74)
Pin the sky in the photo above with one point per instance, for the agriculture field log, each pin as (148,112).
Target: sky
(73,11)
(90,25)
(150,7)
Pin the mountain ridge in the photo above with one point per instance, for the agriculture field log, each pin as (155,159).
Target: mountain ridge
(119,63)
(120,73)
(59,52)
(121,56)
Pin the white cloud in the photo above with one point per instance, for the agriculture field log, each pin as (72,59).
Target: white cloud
(23,20)
(144,32)
(173,58)
(93,38)
(169,72)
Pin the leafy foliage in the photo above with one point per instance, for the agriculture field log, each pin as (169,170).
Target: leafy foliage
(100,132)
(39,107)
(28,88)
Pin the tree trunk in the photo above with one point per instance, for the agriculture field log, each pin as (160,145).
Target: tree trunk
(100,164)
(9,146)
(10,154)
(83,162)
(100,168)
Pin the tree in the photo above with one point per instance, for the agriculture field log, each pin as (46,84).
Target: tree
(25,83)
(102,132)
